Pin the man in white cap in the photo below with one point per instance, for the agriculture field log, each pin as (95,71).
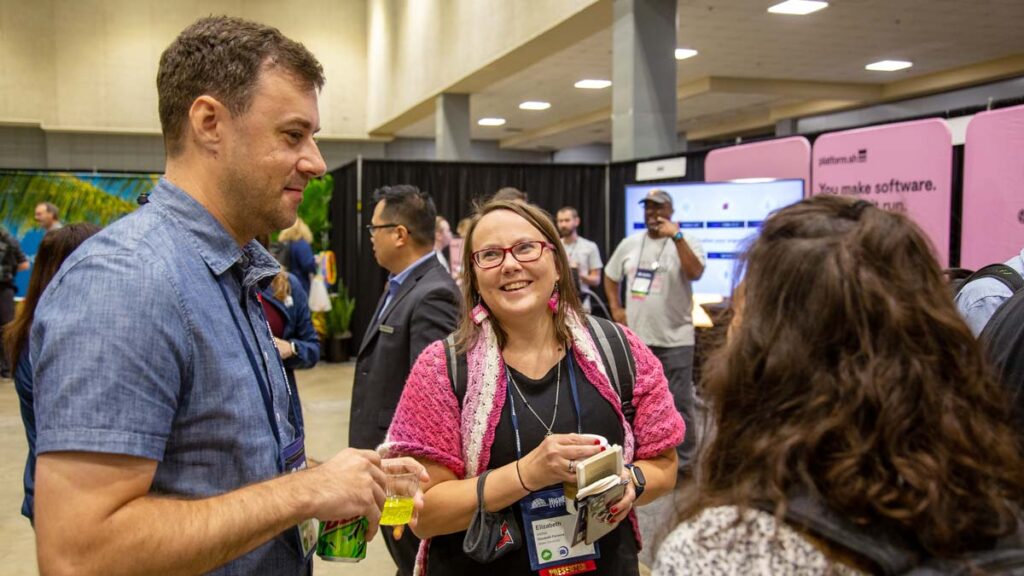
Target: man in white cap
(659,265)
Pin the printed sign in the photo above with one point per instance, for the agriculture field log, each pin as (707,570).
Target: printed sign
(993,208)
(905,167)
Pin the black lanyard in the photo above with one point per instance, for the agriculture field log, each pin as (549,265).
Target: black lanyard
(640,257)
(266,392)
(575,401)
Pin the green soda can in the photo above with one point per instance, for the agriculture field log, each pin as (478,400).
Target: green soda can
(343,540)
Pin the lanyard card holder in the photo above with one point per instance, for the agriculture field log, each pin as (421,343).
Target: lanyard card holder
(641,285)
(548,527)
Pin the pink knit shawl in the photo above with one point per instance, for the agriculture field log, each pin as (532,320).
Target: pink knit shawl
(428,415)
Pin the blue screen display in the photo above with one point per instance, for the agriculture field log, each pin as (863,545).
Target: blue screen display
(724,216)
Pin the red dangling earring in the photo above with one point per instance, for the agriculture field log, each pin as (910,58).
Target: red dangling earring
(479,314)
(553,301)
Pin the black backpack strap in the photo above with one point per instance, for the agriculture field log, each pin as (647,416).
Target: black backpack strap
(890,553)
(618,360)
(1001,272)
(458,369)
(1003,343)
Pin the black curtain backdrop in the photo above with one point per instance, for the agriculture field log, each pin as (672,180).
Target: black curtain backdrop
(957,211)
(344,212)
(454,186)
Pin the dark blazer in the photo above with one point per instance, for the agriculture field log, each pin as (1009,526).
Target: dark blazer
(425,309)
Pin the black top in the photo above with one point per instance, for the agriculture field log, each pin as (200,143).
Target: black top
(618,548)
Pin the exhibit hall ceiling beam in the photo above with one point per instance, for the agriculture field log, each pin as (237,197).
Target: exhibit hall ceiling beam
(796,88)
(935,82)
(983,72)
(525,138)
(568,32)
(693,88)
(823,97)
(737,125)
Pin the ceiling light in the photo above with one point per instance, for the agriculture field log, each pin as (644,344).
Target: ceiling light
(534,105)
(798,7)
(684,53)
(491,121)
(888,65)
(593,84)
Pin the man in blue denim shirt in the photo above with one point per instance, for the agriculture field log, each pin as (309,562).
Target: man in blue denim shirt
(164,419)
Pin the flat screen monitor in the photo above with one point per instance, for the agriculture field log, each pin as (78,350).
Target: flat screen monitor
(724,216)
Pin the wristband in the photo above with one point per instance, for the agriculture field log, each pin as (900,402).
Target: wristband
(520,475)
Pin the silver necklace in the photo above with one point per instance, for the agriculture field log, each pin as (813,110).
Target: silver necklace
(558,388)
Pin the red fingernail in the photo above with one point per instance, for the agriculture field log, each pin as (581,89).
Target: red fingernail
(596,442)
(602,448)
(614,510)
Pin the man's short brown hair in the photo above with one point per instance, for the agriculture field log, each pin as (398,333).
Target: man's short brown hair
(223,57)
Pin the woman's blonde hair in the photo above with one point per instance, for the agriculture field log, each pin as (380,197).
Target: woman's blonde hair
(281,286)
(296,231)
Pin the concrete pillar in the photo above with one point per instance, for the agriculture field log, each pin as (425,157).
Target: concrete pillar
(643,79)
(451,127)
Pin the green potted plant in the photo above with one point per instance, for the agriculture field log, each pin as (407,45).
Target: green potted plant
(337,324)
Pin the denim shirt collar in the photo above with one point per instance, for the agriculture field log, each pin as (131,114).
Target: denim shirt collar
(214,244)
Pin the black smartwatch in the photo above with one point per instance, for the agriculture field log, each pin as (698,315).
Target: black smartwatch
(639,482)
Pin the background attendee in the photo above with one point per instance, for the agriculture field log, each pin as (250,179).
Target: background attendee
(584,256)
(523,335)
(48,216)
(979,299)
(12,261)
(658,266)
(286,307)
(442,239)
(298,240)
(165,426)
(420,305)
(510,193)
(53,250)
(836,387)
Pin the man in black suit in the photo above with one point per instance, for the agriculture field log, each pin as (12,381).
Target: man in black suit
(421,305)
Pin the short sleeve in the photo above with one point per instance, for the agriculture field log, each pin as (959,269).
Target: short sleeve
(697,247)
(979,300)
(595,258)
(110,349)
(616,264)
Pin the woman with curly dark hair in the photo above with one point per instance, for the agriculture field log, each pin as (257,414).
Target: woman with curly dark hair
(849,381)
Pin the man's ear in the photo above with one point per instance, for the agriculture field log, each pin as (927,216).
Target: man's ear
(403,235)
(206,120)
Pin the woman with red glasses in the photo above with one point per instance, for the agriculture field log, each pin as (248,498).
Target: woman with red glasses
(534,384)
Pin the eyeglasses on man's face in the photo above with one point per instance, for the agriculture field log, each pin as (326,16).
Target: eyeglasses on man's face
(371,228)
(521,251)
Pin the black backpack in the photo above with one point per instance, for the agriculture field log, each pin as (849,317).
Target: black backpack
(960,277)
(1003,343)
(611,344)
(890,552)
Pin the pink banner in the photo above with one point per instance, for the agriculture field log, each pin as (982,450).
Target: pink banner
(905,167)
(993,215)
(784,158)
